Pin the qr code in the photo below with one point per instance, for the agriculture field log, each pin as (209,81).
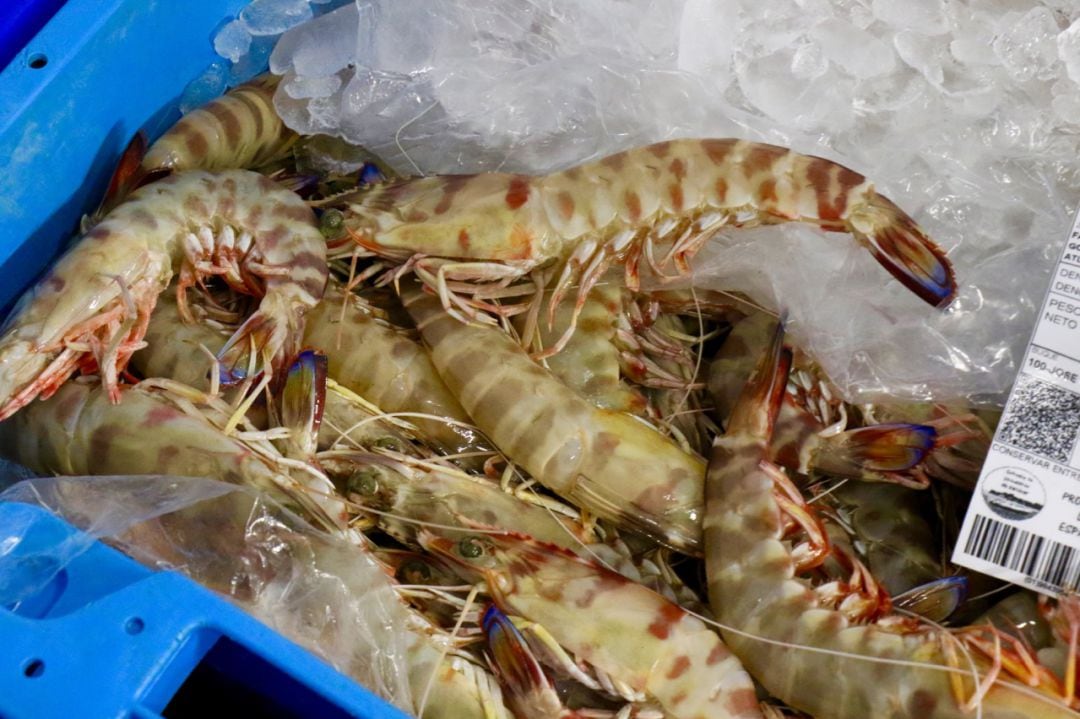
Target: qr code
(1041,418)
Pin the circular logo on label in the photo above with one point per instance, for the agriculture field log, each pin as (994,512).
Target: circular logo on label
(1014,493)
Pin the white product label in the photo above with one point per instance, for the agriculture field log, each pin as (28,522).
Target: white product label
(1023,524)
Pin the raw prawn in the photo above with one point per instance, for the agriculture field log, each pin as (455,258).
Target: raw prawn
(606,462)
(885,665)
(629,632)
(661,203)
(91,310)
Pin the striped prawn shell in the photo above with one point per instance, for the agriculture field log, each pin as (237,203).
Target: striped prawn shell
(616,625)
(665,192)
(602,460)
(141,244)
(238,129)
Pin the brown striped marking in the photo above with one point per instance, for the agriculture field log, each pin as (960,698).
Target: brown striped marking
(54,283)
(517,193)
(297,213)
(766,191)
(451,186)
(676,193)
(144,217)
(566,205)
(761,158)
(160,415)
(743,701)
(660,149)
(255,215)
(668,616)
(195,205)
(679,667)
(606,581)
(195,141)
(832,200)
(228,120)
(521,241)
(103,438)
(721,190)
(615,162)
(633,205)
(678,168)
(463,239)
(922,703)
(718,654)
(718,150)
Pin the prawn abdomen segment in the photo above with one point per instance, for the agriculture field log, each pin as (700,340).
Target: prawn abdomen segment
(239,129)
(608,462)
(491,217)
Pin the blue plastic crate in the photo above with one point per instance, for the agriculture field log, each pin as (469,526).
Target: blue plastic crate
(70,100)
(106,637)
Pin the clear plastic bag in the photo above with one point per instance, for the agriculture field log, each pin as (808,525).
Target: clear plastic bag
(965,114)
(324,594)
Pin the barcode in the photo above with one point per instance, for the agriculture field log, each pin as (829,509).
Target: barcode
(1046,562)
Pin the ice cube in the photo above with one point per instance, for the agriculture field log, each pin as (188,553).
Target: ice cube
(302,86)
(809,61)
(1066,102)
(273,17)
(204,88)
(857,51)
(921,53)
(972,42)
(923,16)
(232,41)
(1068,50)
(254,62)
(319,47)
(1026,44)
(707,39)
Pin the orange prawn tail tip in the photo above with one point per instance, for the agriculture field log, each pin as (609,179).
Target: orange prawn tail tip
(904,250)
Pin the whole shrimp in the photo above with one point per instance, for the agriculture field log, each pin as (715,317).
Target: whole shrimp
(661,203)
(628,631)
(607,462)
(801,644)
(91,310)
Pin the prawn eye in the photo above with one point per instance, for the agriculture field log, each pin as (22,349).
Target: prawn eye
(364,482)
(470,548)
(416,572)
(331,221)
(390,443)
